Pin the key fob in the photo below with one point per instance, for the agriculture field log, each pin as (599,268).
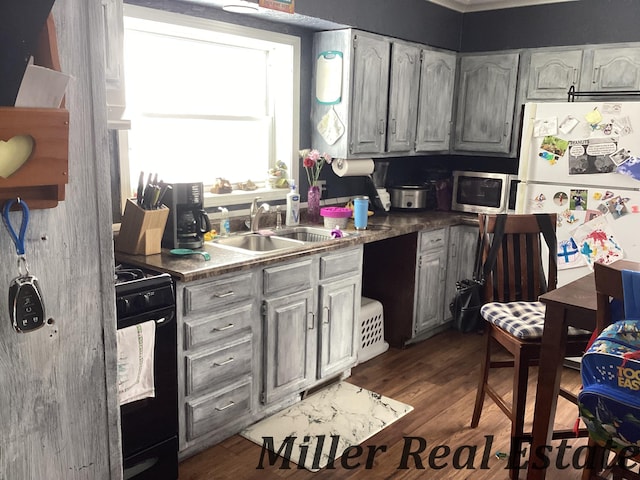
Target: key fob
(26,306)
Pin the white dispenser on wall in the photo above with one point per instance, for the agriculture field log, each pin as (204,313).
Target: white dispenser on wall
(293,207)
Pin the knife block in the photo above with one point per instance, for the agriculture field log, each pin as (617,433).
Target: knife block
(141,230)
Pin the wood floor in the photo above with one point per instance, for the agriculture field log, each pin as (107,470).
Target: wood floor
(438,378)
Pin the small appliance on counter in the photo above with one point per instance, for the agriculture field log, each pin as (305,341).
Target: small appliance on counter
(188,221)
(413,197)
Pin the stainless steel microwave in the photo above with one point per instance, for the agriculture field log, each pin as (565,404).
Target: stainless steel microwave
(484,192)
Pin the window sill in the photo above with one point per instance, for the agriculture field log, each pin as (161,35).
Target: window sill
(238,197)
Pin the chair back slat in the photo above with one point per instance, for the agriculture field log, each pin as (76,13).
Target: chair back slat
(518,273)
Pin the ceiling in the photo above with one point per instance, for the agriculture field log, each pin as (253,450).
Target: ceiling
(480,5)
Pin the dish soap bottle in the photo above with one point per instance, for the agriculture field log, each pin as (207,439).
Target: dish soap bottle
(224,222)
(293,207)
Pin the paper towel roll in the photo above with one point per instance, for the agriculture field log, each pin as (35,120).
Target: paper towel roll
(353,167)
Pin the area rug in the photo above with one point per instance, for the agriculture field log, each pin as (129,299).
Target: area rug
(317,430)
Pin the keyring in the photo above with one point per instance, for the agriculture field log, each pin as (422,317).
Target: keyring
(18,239)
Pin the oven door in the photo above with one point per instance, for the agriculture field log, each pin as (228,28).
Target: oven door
(159,462)
(150,421)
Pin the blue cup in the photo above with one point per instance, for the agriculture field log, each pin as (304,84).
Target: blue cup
(360,212)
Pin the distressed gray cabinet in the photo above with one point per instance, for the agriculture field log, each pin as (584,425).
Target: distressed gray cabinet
(403,91)
(550,73)
(309,313)
(378,106)
(612,68)
(460,259)
(219,358)
(430,280)
(435,100)
(289,329)
(486,94)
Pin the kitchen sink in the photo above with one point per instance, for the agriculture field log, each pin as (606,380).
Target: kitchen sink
(305,234)
(256,243)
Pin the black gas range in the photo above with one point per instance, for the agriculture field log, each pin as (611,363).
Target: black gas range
(150,426)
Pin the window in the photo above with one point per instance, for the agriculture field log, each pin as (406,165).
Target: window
(208,100)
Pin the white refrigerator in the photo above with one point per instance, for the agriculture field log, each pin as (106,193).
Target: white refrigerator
(581,160)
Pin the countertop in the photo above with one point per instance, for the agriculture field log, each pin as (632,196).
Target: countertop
(380,227)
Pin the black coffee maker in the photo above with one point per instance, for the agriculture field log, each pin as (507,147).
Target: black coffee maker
(187,222)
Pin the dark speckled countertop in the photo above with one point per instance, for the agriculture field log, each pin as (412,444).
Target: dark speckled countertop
(380,227)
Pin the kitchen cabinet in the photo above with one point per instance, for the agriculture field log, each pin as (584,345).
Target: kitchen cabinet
(430,281)
(549,73)
(461,258)
(219,358)
(486,93)
(612,68)
(407,275)
(309,315)
(435,100)
(384,83)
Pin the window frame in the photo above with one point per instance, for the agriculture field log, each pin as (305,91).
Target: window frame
(250,34)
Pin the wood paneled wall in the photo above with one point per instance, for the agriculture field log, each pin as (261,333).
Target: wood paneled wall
(58,401)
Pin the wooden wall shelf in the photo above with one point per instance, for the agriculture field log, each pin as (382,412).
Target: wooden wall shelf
(41,180)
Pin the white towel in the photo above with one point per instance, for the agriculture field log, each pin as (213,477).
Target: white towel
(136,346)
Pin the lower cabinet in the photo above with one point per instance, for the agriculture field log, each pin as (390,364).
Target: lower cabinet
(250,343)
(430,281)
(309,335)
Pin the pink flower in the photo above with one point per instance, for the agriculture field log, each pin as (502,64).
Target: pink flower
(313,162)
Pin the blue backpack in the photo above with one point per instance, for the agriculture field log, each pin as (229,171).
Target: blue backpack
(609,403)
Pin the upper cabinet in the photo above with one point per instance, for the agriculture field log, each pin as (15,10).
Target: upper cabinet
(551,73)
(367,93)
(486,98)
(612,69)
(437,81)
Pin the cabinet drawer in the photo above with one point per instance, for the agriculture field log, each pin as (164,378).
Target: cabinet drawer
(212,368)
(339,263)
(206,296)
(210,412)
(293,275)
(432,240)
(203,330)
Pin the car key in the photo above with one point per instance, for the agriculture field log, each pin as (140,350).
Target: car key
(26,306)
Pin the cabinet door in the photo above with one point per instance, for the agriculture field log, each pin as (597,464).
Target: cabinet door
(486,99)
(290,344)
(551,74)
(114,76)
(430,291)
(337,335)
(460,259)
(403,91)
(370,92)
(615,69)
(437,77)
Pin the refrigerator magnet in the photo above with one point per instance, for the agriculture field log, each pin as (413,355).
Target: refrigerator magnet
(544,127)
(568,124)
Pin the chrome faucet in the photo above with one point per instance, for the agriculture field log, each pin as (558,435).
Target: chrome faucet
(256,212)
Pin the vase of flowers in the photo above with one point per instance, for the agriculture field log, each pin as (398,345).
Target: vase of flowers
(313,161)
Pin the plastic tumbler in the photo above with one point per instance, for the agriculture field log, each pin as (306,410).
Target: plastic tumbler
(360,212)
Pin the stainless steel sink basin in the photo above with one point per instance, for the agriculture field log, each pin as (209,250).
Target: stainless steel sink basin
(256,243)
(305,233)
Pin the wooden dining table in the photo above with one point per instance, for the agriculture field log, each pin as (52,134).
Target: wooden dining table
(573,304)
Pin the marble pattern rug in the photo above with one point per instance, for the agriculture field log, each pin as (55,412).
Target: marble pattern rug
(317,430)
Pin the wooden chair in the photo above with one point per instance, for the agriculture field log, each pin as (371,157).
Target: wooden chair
(515,318)
(608,282)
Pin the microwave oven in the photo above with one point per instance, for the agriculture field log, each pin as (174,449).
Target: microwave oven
(484,192)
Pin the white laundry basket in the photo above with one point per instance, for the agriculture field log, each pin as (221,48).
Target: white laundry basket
(371,330)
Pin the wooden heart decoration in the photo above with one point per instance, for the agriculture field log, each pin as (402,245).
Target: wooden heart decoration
(14,154)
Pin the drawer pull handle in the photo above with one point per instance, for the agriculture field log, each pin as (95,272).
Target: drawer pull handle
(227,361)
(222,329)
(230,404)
(224,295)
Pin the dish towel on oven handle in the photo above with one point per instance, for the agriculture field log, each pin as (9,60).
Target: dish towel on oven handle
(136,345)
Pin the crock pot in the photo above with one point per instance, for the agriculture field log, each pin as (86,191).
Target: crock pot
(412,197)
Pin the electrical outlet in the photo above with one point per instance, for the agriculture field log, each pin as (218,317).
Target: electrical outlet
(323,186)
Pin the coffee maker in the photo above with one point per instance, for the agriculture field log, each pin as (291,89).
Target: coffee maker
(187,222)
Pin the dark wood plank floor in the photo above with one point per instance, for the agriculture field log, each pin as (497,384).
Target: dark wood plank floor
(438,378)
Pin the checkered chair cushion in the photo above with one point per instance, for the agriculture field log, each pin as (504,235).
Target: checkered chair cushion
(523,320)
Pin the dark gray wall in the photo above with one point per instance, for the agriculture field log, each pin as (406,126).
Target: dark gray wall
(568,23)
